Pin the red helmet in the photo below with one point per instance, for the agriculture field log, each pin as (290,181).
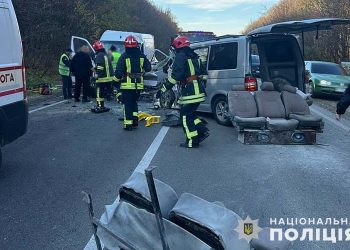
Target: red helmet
(181,42)
(98,45)
(130,42)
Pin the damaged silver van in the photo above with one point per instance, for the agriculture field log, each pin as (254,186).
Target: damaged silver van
(229,60)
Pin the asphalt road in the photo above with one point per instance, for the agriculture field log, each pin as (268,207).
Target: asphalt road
(68,150)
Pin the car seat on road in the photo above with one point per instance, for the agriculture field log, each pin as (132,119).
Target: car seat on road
(270,105)
(298,109)
(243,110)
(212,223)
(135,192)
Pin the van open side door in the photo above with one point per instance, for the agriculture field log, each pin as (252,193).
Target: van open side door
(78,42)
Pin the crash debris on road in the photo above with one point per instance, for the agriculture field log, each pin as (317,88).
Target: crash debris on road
(150,215)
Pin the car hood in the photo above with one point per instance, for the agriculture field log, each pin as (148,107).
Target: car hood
(332,78)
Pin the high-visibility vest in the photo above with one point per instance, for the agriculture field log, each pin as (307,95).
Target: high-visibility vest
(116,57)
(62,68)
(133,80)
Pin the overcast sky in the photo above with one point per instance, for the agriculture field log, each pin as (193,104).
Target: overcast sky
(220,16)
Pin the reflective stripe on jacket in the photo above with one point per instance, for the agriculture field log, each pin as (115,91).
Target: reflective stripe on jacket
(130,69)
(63,69)
(104,68)
(133,80)
(186,71)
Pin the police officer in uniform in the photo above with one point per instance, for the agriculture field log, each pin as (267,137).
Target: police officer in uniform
(188,73)
(64,71)
(104,72)
(129,74)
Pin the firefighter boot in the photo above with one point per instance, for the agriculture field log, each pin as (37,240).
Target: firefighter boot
(187,145)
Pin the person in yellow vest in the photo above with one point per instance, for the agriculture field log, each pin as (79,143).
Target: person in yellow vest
(115,55)
(129,74)
(64,71)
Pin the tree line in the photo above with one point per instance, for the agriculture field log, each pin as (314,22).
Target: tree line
(333,45)
(47,25)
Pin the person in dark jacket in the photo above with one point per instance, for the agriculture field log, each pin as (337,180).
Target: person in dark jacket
(104,73)
(189,74)
(64,71)
(82,68)
(129,75)
(343,104)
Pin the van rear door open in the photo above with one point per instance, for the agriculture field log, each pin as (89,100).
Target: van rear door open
(13,103)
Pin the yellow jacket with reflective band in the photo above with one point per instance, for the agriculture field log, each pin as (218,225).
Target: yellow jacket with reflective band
(63,69)
(104,68)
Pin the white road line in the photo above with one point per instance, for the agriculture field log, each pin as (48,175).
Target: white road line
(143,164)
(329,118)
(47,106)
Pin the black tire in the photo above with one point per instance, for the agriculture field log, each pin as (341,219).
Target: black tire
(167,99)
(220,111)
(312,89)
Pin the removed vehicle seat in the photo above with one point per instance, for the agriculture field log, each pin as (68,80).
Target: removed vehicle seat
(243,110)
(280,84)
(298,109)
(212,223)
(270,105)
(135,192)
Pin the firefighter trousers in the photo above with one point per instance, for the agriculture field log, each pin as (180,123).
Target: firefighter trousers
(192,124)
(129,99)
(100,94)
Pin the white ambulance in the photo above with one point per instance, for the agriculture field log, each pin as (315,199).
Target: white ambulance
(13,101)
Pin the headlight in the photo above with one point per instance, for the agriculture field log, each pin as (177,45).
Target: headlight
(324,82)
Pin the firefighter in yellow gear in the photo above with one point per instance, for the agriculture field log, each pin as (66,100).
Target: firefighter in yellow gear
(188,73)
(129,75)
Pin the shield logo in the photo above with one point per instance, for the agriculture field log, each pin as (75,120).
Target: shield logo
(248,228)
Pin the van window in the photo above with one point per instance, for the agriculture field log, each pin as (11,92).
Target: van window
(203,55)
(223,56)
(10,49)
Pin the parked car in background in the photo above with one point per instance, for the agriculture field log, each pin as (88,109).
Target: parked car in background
(327,78)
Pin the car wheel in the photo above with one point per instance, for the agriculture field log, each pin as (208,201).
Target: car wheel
(312,90)
(220,111)
(167,99)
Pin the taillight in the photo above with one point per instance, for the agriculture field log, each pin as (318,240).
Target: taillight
(250,83)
